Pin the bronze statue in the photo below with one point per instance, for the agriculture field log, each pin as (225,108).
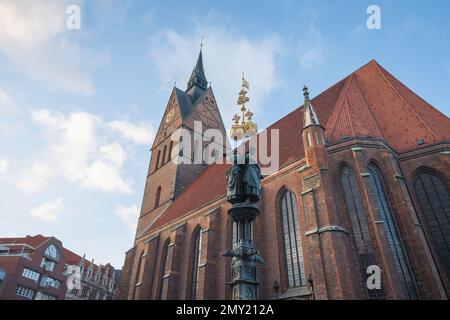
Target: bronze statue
(243,181)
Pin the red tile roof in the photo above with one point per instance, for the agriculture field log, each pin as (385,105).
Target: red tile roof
(72,258)
(33,241)
(368,103)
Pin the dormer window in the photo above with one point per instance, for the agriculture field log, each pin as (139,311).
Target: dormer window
(52,252)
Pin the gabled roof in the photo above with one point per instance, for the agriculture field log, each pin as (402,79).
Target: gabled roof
(370,102)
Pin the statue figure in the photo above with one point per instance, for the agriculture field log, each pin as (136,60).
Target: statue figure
(252,180)
(243,181)
(235,193)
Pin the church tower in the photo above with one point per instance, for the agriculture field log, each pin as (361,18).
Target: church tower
(185,110)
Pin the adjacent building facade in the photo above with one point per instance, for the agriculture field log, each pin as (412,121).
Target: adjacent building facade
(38,268)
(362,190)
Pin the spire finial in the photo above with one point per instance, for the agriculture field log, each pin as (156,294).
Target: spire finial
(201,43)
(305,92)
(246,128)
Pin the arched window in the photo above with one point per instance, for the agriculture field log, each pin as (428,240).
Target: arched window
(170,151)
(163,160)
(157,196)
(360,228)
(52,252)
(164,266)
(390,227)
(138,278)
(158,158)
(196,254)
(292,240)
(434,199)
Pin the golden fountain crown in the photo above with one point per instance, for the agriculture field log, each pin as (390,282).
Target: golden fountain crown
(246,128)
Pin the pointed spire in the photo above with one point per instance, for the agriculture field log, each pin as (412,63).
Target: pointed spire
(198,78)
(310,116)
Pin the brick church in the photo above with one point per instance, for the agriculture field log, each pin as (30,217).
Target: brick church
(363,181)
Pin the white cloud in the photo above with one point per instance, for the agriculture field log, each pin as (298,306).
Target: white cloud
(49,211)
(78,153)
(35,178)
(7,104)
(34,37)
(129,216)
(140,133)
(4,165)
(226,56)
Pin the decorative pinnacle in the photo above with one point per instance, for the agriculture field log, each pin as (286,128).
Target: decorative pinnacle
(305,92)
(246,128)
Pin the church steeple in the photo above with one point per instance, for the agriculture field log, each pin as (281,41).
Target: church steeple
(197,82)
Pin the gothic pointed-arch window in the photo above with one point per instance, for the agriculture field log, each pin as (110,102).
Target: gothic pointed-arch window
(157,197)
(138,277)
(158,158)
(164,267)
(169,156)
(434,199)
(195,263)
(399,256)
(360,229)
(163,160)
(292,240)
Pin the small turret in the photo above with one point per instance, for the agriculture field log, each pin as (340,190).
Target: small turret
(313,134)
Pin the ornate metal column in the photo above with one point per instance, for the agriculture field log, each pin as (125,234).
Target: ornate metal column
(243,192)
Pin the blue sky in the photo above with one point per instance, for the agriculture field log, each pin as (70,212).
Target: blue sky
(79,108)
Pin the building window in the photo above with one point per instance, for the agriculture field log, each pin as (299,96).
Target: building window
(52,252)
(157,196)
(2,276)
(360,229)
(163,160)
(292,240)
(164,267)
(390,227)
(30,274)
(48,264)
(434,199)
(157,159)
(138,280)
(169,156)
(24,292)
(44,296)
(196,255)
(50,282)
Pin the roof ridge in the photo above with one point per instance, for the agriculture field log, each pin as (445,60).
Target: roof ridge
(404,101)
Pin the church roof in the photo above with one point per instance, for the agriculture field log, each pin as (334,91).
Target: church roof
(369,103)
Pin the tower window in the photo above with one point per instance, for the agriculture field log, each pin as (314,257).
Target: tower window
(163,160)
(157,196)
(292,240)
(170,151)
(158,159)
(434,199)
(390,226)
